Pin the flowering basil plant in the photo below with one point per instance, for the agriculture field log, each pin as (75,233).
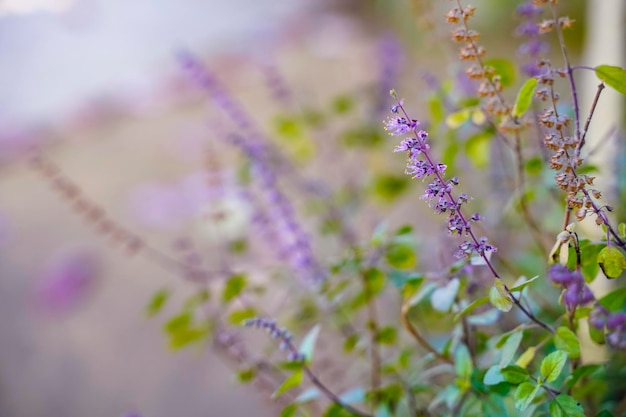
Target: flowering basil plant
(518,308)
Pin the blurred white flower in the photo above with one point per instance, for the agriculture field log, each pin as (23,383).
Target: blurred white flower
(226,218)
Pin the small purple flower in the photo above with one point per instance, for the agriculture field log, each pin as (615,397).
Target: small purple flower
(408,144)
(616,321)
(576,292)
(562,275)
(457,225)
(527,29)
(528,9)
(399,125)
(419,168)
(279,333)
(68,280)
(484,246)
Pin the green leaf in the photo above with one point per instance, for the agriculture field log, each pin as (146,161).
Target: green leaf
(424,292)
(246,375)
(493,406)
(157,302)
(383,411)
(351,342)
(487,318)
(514,374)
(498,296)
(510,348)
(589,255)
(615,300)
(199,298)
(605,413)
(519,287)
(187,336)
(401,256)
(293,381)
(567,341)
(403,230)
(335,410)
(386,336)
(526,357)
(459,118)
(612,76)
(436,108)
(504,68)
(524,395)
(388,187)
(565,406)
(375,282)
(611,261)
(342,104)
(399,278)
(233,287)
(463,362)
(178,323)
(475,304)
(237,317)
(582,372)
(533,165)
(307,395)
(378,236)
(552,365)
(290,410)
(597,335)
(493,376)
(477,149)
(308,343)
(524,97)
(353,396)
(443,297)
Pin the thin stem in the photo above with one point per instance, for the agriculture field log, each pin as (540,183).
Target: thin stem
(96,215)
(581,143)
(372,326)
(331,395)
(583,67)
(323,388)
(605,219)
(570,72)
(406,306)
(521,185)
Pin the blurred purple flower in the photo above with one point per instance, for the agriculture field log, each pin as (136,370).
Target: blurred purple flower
(158,205)
(575,290)
(67,280)
(391,57)
(280,223)
(534,47)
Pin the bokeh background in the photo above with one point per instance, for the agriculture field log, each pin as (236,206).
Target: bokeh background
(96,86)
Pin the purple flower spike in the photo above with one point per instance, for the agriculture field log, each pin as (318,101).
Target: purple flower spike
(439,192)
(534,47)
